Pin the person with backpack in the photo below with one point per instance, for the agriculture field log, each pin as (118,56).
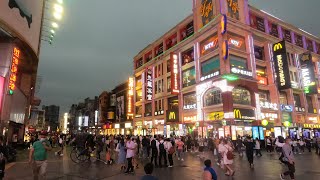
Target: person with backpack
(227,155)
(162,153)
(154,151)
(209,173)
(170,150)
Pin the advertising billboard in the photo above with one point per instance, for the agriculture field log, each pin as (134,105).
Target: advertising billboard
(174,74)
(244,114)
(307,72)
(23,17)
(281,65)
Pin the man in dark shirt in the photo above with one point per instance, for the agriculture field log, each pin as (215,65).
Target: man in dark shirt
(148,169)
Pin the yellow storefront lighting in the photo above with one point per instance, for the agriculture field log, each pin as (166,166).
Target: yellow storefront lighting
(264,122)
(286,123)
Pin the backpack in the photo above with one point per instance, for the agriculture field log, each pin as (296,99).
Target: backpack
(171,150)
(161,147)
(153,144)
(230,155)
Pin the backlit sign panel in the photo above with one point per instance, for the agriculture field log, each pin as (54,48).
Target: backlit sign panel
(244,114)
(307,73)
(281,65)
(130,96)
(174,74)
(14,69)
(215,116)
(207,11)
(209,45)
(172,115)
(241,71)
(149,89)
(262,80)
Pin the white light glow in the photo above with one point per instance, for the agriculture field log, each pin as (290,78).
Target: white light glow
(60,1)
(55,25)
(80,121)
(58,8)
(57,16)
(96,118)
(52,31)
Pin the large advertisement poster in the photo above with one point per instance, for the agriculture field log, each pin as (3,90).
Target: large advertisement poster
(23,17)
(120,107)
(281,65)
(307,72)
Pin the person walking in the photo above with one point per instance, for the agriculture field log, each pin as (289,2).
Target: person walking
(249,150)
(144,147)
(170,151)
(38,157)
(61,145)
(180,145)
(288,159)
(121,149)
(225,150)
(130,146)
(154,151)
(209,173)
(257,147)
(162,153)
(269,144)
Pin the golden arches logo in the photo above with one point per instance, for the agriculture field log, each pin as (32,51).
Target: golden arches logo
(277,46)
(237,114)
(172,115)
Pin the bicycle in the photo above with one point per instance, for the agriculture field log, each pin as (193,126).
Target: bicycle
(79,155)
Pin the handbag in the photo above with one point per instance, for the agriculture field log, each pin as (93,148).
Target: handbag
(230,155)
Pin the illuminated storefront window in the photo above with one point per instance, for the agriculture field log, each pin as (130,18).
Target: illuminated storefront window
(173,103)
(238,62)
(190,101)
(187,56)
(259,52)
(138,111)
(148,110)
(188,77)
(261,75)
(138,95)
(283,98)
(212,96)
(241,96)
(210,68)
(138,82)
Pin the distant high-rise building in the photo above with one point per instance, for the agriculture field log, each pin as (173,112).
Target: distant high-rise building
(52,116)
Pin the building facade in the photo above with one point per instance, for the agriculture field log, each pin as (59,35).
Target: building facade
(20,31)
(219,73)
(52,117)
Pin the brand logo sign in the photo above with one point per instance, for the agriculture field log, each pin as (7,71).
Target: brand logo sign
(281,65)
(14,70)
(172,115)
(209,44)
(130,96)
(149,88)
(174,74)
(223,23)
(215,116)
(286,108)
(217,73)
(241,71)
(311,126)
(244,114)
(307,72)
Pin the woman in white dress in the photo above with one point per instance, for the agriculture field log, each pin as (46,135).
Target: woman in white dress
(227,162)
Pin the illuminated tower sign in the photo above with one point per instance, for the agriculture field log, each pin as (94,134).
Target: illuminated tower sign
(174,74)
(281,65)
(14,70)
(149,88)
(307,73)
(130,96)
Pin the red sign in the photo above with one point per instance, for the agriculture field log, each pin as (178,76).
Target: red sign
(209,45)
(262,80)
(14,70)
(130,96)
(174,74)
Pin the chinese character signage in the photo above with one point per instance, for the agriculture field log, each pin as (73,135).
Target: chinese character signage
(174,74)
(281,65)
(207,11)
(307,73)
(244,114)
(130,96)
(233,8)
(149,86)
(14,69)
(268,105)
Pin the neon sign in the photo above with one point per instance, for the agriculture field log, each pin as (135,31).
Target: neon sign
(149,85)
(307,72)
(236,43)
(14,70)
(174,74)
(212,44)
(189,118)
(241,71)
(281,65)
(262,80)
(223,23)
(268,105)
(225,50)
(206,11)
(130,96)
(217,73)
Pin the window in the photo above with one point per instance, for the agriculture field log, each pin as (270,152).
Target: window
(138,82)
(190,101)
(294,79)
(241,96)
(138,95)
(263,96)
(309,45)
(139,63)
(286,35)
(171,41)
(283,98)
(238,62)
(159,105)
(259,52)
(156,87)
(139,111)
(187,31)
(257,22)
(159,49)
(169,84)
(273,29)
(212,97)
(291,59)
(148,110)
(188,77)
(173,103)
(160,87)
(168,66)
(298,40)
(148,56)
(297,102)
(310,105)
(210,66)
(187,56)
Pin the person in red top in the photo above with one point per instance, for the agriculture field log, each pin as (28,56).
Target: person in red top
(180,145)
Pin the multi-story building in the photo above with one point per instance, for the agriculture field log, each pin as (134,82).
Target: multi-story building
(104,102)
(20,31)
(52,115)
(218,72)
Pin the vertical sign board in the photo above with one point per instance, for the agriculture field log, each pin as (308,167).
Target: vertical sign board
(281,65)
(174,74)
(14,70)
(149,86)
(207,11)
(307,73)
(130,96)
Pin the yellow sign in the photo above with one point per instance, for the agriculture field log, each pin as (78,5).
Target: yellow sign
(215,116)
(311,126)
(206,8)
(237,114)
(172,116)
(277,46)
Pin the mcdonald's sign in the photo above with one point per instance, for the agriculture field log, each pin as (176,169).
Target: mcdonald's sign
(281,65)
(244,114)
(172,115)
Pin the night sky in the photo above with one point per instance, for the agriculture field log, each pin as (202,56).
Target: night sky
(97,40)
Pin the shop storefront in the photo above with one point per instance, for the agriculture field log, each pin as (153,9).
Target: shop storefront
(138,128)
(243,119)
(172,123)
(311,130)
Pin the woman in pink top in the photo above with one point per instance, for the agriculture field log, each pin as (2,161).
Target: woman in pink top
(180,145)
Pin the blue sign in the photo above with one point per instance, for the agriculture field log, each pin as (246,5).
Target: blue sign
(255,132)
(287,108)
(261,133)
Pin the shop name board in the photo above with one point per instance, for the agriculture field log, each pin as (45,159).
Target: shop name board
(244,114)
(281,65)
(268,105)
(130,96)
(212,43)
(215,116)
(235,43)
(190,106)
(190,118)
(149,93)
(300,109)
(270,116)
(174,74)
(312,118)
(241,71)
(287,108)
(307,72)
(317,126)
(14,70)
(156,113)
(172,115)
(262,80)
(217,73)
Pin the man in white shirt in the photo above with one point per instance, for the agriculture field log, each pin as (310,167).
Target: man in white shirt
(167,146)
(130,146)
